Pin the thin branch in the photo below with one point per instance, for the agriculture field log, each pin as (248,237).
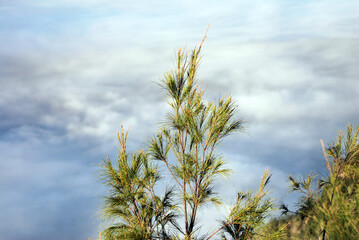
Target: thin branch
(326,157)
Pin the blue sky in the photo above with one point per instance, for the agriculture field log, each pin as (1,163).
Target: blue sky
(71,72)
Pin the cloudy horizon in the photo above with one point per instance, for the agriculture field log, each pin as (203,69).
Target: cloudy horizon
(71,72)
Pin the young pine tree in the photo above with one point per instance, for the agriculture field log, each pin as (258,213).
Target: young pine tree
(187,146)
(132,208)
(187,142)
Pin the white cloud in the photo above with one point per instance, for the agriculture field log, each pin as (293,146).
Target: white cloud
(70,80)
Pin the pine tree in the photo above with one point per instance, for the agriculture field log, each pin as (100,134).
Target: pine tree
(187,146)
(330,208)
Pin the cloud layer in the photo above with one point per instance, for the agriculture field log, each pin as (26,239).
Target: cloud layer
(72,73)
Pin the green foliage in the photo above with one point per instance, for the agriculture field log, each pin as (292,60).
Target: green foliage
(341,191)
(132,207)
(246,218)
(187,142)
(330,209)
(187,147)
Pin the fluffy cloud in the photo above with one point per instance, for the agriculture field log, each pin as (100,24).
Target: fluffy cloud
(72,73)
